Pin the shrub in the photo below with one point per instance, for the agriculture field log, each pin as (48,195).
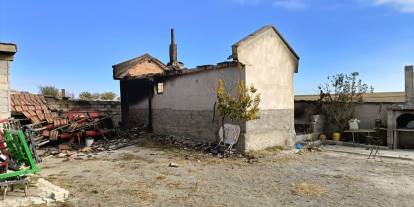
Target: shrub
(108,96)
(86,96)
(338,97)
(49,91)
(244,106)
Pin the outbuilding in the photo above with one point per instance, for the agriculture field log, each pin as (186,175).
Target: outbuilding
(170,99)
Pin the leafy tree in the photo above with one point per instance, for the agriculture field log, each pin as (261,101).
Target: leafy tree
(244,106)
(108,96)
(338,97)
(95,96)
(49,91)
(86,96)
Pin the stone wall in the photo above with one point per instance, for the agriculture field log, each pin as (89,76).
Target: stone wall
(112,107)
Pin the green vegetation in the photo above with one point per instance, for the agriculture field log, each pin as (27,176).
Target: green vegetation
(88,96)
(51,91)
(244,106)
(338,97)
(107,96)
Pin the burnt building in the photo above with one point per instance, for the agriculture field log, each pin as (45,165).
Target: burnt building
(171,99)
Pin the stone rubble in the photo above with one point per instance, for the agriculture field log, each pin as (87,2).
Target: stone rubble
(43,192)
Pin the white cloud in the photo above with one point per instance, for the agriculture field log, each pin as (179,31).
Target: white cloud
(291,4)
(402,5)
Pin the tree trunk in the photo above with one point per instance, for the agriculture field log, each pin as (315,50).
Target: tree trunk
(224,130)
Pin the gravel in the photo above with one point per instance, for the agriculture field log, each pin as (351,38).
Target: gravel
(141,176)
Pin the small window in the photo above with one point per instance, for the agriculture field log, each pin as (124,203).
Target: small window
(160,88)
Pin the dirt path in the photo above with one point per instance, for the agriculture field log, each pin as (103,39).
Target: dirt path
(138,176)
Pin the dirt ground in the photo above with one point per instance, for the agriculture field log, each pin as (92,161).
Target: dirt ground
(141,176)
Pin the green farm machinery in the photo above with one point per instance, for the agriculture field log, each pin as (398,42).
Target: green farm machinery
(16,154)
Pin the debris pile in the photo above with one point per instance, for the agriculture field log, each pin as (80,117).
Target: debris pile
(42,124)
(121,139)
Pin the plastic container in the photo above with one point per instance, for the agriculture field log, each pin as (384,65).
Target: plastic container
(353,124)
(89,141)
(336,136)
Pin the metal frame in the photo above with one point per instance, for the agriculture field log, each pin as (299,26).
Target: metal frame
(18,147)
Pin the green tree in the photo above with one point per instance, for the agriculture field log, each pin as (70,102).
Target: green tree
(107,96)
(338,97)
(86,96)
(243,106)
(49,91)
(95,96)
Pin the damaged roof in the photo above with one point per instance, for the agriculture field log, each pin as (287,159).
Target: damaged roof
(138,67)
(32,106)
(147,66)
(198,69)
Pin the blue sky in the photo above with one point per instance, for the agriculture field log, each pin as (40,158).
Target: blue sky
(73,44)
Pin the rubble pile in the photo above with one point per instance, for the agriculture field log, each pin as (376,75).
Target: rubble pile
(44,124)
(185,143)
(113,143)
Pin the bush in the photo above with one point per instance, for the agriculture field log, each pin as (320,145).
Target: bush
(86,96)
(244,106)
(49,91)
(338,97)
(107,96)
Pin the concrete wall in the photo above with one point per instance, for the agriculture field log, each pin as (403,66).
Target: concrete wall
(196,91)
(4,89)
(270,67)
(187,105)
(7,52)
(111,107)
(366,113)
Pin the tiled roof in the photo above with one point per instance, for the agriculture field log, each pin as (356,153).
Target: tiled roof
(139,66)
(35,108)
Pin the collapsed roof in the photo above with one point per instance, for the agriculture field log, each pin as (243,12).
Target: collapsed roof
(146,66)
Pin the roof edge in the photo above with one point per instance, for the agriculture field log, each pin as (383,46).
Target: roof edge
(263,29)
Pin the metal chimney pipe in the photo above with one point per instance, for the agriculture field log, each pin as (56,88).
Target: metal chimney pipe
(173,50)
(409,85)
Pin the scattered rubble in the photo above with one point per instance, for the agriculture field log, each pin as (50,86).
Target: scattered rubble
(43,192)
(172,164)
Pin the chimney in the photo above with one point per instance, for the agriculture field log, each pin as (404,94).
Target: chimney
(174,64)
(409,85)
